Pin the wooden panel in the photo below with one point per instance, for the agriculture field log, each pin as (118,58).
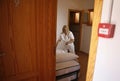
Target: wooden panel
(94,39)
(23,29)
(46,32)
(31,79)
(5,41)
(22,77)
(17,40)
(28,36)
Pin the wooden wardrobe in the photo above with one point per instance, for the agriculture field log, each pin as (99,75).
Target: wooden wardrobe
(27,40)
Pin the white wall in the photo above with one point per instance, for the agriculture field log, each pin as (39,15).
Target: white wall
(62,17)
(107,67)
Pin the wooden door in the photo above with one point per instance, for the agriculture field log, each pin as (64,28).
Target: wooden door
(27,40)
(46,38)
(17,41)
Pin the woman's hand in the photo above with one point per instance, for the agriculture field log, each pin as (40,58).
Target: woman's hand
(58,42)
(66,43)
(71,41)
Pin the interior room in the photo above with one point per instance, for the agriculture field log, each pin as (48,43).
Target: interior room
(80,26)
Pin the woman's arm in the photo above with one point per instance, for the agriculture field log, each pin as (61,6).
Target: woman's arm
(71,41)
(71,36)
(58,42)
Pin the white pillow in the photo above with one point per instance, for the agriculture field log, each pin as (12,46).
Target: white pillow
(65,57)
(59,51)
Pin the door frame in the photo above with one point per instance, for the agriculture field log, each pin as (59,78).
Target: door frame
(94,39)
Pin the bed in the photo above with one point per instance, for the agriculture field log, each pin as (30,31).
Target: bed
(67,67)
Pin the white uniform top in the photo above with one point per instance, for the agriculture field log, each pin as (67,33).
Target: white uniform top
(65,38)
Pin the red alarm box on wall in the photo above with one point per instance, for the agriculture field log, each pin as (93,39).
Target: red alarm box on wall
(106,30)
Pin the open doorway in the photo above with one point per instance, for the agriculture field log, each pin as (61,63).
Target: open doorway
(62,18)
(66,15)
(78,22)
(79,25)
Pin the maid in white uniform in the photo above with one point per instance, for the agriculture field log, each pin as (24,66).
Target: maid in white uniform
(67,40)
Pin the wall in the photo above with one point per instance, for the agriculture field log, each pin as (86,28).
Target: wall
(62,11)
(85,38)
(107,67)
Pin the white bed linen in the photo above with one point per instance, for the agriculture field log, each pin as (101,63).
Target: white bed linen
(65,57)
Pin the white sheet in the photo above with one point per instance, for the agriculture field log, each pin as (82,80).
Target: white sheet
(65,57)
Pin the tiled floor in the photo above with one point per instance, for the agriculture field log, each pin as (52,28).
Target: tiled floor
(83,59)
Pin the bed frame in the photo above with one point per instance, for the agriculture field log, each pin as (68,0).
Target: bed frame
(69,74)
